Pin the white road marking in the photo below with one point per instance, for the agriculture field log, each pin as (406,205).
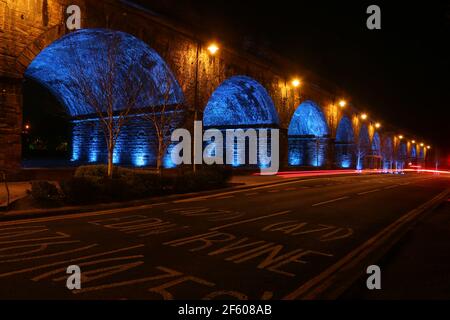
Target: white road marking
(367,192)
(329,201)
(391,187)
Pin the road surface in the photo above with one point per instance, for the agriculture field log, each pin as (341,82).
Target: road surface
(262,243)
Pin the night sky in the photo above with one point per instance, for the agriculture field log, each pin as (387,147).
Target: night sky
(399,74)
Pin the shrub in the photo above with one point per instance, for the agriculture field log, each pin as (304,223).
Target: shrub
(205,178)
(80,190)
(44,191)
(90,183)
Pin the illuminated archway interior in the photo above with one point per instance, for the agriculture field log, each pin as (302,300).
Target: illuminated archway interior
(387,153)
(344,143)
(56,68)
(413,151)
(363,147)
(402,155)
(307,133)
(240,102)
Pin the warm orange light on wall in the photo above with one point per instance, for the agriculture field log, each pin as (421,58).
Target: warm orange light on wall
(213,48)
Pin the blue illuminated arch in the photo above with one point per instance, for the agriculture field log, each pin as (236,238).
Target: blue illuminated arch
(308,120)
(402,150)
(421,153)
(402,154)
(54,68)
(133,60)
(364,139)
(307,136)
(376,144)
(413,151)
(344,143)
(344,132)
(363,147)
(387,153)
(240,101)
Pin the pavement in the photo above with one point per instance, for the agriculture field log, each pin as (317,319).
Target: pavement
(297,239)
(17,190)
(418,266)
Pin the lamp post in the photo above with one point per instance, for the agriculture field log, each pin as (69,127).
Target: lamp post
(213,48)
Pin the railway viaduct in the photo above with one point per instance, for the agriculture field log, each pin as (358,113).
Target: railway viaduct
(315,129)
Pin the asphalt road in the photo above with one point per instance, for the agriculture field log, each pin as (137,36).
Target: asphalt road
(262,243)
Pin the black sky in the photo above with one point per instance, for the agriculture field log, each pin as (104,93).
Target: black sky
(400,73)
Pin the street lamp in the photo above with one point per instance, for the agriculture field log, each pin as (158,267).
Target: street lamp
(342,103)
(400,137)
(421,144)
(296,83)
(213,48)
(414,141)
(378,125)
(428,147)
(364,116)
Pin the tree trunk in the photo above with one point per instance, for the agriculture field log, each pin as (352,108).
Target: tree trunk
(110,155)
(110,162)
(160,156)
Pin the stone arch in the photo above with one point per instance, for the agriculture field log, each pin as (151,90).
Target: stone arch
(53,69)
(34,48)
(363,147)
(345,140)
(375,157)
(413,151)
(421,153)
(376,144)
(240,102)
(308,136)
(402,154)
(387,153)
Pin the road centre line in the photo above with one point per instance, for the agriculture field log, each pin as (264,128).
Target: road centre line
(367,192)
(330,201)
(250,220)
(252,188)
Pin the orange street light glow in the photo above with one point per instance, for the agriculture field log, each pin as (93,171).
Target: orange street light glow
(213,48)
(400,137)
(377,125)
(364,116)
(428,147)
(342,103)
(296,83)
(414,141)
(421,144)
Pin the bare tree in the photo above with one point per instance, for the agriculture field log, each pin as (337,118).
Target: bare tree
(163,116)
(111,85)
